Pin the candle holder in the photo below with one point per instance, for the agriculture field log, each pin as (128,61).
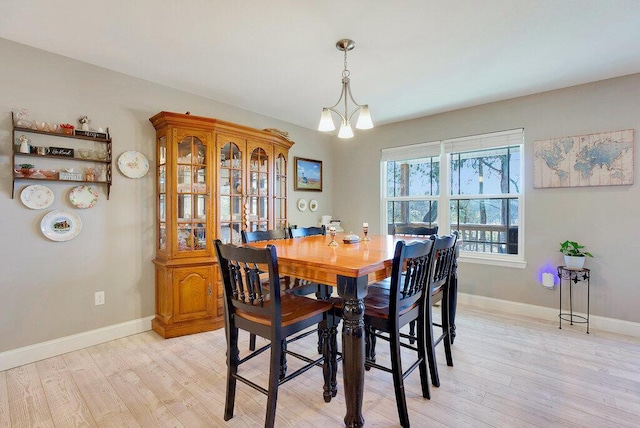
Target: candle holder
(332,233)
(365,230)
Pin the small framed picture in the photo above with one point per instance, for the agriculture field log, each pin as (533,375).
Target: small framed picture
(308,174)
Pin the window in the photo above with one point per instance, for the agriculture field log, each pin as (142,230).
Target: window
(471,185)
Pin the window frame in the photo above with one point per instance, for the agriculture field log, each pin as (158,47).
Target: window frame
(446,148)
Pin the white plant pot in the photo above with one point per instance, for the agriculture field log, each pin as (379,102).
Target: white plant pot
(573,262)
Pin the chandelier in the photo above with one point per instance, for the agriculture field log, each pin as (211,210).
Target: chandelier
(364,118)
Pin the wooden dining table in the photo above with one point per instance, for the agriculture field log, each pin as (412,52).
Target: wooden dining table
(350,268)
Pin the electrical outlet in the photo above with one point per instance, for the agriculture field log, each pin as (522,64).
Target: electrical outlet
(99,298)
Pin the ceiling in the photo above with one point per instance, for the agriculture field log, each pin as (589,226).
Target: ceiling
(412,58)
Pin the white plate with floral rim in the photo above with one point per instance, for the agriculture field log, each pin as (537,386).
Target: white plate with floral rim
(37,197)
(83,196)
(313,205)
(133,164)
(302,205)
(61,225)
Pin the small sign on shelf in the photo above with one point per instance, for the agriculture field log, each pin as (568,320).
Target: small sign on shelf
(73,176)
(92,134)
(61,151)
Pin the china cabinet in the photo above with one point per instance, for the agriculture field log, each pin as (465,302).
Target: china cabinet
(90,148)
(213,179)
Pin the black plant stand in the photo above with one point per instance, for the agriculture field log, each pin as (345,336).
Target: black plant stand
(573,277)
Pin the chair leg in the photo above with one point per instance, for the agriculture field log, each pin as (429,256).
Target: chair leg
(233,354)
(430,345)
(446,328)
(283,361)
(252,342)
(274,372)
(325,330)
(398,382)
(321,294)
(369,346)
(422,355)
(412,332)
(333,346)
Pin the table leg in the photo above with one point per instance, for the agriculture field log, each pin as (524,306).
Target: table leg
(353,291)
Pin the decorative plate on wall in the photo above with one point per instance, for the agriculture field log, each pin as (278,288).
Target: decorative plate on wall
(37,197)
(313,205)
(133,164)
(61,225)
(302,204)
(83,196)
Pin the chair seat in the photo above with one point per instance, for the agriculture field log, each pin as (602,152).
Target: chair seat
(376,304)
(293,309)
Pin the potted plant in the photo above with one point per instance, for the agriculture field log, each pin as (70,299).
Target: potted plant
(574,254)
(26,169)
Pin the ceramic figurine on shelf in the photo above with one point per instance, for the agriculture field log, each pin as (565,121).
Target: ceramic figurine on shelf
(90,174)
(84,121)
(103,173)
(24,144)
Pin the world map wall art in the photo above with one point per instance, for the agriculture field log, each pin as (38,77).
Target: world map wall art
(604,159)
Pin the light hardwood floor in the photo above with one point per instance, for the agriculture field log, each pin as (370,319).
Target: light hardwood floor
(509,372)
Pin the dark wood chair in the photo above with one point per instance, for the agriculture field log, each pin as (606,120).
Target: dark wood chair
(445,249)
(302,287)
(414,230)
(385,314)
(301,232)
(408,230)
(270,314)
(265,235)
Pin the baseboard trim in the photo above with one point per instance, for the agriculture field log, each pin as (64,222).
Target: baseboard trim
(40,351)
(596,322)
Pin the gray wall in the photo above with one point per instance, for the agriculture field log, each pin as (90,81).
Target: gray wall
(47,288)
(605,219)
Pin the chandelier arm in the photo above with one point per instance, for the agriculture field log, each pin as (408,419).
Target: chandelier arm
(343,117)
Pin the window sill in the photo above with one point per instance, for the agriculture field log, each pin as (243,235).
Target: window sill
(494,261)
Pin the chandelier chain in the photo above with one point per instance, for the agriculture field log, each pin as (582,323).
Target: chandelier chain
(345,72)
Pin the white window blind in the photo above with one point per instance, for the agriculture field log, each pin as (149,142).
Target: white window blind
(414,151)
(511,137)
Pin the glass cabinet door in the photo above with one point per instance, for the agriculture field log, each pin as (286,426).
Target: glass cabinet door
(230,189)
(280,189)
(161,185)
(191,194)
(258,192)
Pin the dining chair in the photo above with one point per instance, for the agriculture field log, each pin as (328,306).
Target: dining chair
(414,230)
(385,314)
(440,283)
(249,306)
(264,235)
(407,230)
(303,287)
(300,232)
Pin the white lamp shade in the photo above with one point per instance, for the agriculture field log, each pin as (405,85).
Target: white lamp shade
(345,131)
(326,121)
(364,119)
